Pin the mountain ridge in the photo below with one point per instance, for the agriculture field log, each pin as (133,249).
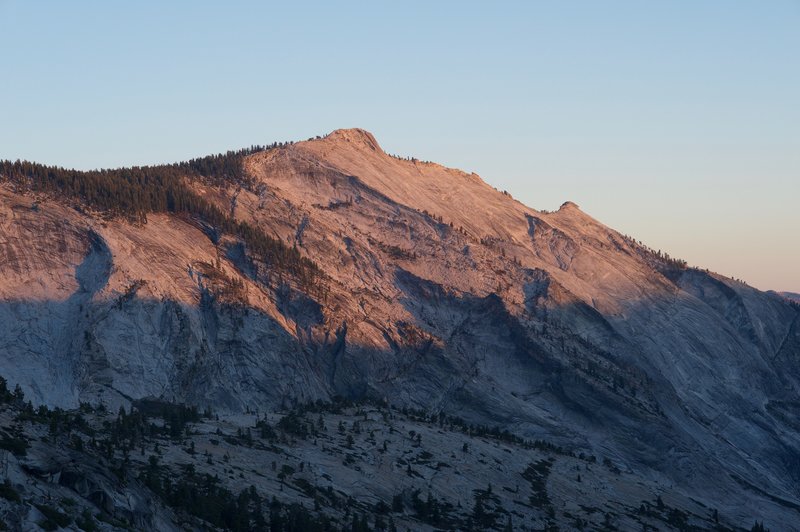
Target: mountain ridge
(436,291)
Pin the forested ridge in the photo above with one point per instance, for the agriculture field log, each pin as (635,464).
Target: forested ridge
(136,191)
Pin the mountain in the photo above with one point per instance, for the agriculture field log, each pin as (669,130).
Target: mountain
(328,270)
(791,296)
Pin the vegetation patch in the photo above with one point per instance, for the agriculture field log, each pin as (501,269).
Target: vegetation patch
(135,192)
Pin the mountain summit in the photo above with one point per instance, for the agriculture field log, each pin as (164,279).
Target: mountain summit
(327,268)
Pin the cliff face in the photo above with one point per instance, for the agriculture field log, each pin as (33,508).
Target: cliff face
(441,293)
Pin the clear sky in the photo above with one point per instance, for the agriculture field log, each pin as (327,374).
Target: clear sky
(677,122)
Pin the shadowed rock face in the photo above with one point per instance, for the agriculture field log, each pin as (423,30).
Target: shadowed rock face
(441,294)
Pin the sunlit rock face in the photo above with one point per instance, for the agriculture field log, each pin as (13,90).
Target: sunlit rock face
(441,293)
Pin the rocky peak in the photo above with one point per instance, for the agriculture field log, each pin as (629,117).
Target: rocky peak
(355,137)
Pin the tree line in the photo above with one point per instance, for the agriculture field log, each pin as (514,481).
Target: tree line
(134,192)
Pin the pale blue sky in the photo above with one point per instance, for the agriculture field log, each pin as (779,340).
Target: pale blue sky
(675,122)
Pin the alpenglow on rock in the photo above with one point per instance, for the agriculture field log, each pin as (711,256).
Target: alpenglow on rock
(430,290)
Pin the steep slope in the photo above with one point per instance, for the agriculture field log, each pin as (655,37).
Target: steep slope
(439,293)
(676,358)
